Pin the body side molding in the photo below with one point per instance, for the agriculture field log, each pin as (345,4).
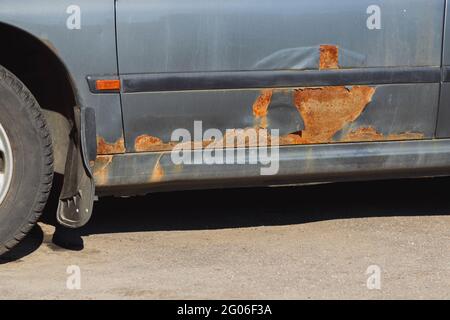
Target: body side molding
(133,83)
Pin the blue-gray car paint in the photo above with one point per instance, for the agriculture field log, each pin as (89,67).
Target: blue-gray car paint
(216,35)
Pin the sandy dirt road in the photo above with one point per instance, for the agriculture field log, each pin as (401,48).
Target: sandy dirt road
(294,242)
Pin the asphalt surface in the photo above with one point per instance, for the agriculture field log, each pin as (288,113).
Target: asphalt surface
(310,242)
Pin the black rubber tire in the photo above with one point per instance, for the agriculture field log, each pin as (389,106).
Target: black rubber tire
(27,131)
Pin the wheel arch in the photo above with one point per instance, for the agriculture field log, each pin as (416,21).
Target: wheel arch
(36,63)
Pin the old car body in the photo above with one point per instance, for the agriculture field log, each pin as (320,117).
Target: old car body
(358,89)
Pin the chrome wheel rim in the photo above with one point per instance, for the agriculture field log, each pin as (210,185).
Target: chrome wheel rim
(6,164)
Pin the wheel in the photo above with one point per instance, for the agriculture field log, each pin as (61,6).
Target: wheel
(26,161)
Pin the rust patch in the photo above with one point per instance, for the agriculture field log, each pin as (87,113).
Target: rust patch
(371,134)
(158,171)
(329,57)
(363,134)
(101,169)
(406,136)
(262,103)
(261,106)
(291,139)
(147,143)
(327,110)
(104,147)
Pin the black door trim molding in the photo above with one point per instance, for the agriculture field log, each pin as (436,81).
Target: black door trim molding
(133,83)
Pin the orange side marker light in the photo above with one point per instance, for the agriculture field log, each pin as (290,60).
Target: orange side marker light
(107,85)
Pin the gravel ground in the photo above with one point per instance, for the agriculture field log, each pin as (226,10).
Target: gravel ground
(310,242)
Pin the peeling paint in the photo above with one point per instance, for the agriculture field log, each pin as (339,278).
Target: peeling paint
(104,147)
(101,169)
(329,57)
(327,110)
(371,134)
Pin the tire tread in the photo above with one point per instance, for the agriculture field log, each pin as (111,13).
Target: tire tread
(39,124)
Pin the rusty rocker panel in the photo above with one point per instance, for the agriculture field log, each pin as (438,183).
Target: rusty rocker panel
(137,173)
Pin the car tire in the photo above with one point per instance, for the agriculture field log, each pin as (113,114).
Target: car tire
(26,161)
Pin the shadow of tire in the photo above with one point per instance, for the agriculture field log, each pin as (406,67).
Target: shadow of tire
(27,246)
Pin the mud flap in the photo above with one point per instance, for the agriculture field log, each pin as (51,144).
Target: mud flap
(77,196)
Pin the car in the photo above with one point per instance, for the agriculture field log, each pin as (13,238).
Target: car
(129,97)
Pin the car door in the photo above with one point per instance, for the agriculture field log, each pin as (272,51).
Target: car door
(319,71)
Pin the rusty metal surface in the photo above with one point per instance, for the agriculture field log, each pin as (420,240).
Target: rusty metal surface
(138,173)
(101,169)
(303,115)
(371,134)
(329,57)
(104,147)
(240,36)
(306,115)
(327,110)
